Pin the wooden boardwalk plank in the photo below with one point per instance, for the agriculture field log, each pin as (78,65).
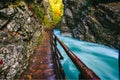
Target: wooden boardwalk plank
(41,65)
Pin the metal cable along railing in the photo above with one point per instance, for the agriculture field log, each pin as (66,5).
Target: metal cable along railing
(85,72)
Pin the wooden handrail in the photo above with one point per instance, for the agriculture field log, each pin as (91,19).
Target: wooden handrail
(85,72)
(57,56)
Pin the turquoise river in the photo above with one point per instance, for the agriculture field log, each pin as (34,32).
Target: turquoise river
(101,59)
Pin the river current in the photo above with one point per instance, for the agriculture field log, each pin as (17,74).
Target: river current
(101,59)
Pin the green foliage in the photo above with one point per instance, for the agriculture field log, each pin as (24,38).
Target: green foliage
(39,39)
(47,22)
(38,11)
(56,11)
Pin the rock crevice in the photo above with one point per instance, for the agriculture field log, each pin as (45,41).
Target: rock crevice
(92,21)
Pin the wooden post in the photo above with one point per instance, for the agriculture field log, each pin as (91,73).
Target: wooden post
(58,67)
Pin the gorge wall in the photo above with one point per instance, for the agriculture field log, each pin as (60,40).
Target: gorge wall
(19,30)
(93,20)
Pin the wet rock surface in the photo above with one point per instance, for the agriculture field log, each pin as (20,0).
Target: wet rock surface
(18,32)
(93,21)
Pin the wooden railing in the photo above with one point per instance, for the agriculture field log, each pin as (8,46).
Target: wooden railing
(57,57)
(85,72)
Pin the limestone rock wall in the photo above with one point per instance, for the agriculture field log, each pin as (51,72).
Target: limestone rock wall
(19,30)
(93,21)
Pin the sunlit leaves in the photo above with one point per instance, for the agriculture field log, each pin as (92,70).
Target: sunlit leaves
(56,9)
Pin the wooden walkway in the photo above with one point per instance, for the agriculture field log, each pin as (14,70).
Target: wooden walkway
(41,64)
(45,62)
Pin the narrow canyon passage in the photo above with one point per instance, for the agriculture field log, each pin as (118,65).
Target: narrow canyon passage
(93,27)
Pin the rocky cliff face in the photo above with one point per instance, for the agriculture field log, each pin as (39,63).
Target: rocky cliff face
(21,25)
(93,20)
(18,32)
